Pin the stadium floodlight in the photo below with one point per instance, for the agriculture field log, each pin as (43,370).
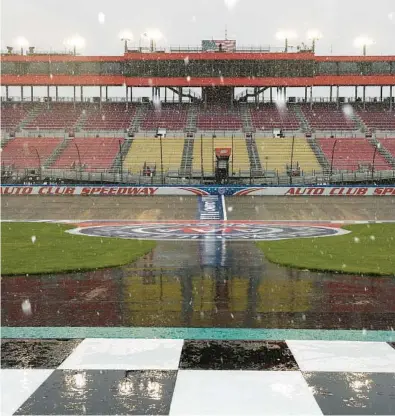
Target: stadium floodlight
(22,43)
(363,42)
(75,42)
(126,36)
(154,35)
(314,35)
(286,35)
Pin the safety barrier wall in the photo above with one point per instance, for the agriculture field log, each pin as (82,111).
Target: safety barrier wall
(88,190)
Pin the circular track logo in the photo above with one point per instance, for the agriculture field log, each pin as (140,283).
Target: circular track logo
(208,231)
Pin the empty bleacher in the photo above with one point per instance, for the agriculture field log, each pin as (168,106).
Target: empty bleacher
(327,117)
(167,116)
(95,154)
(377,116)
(28,152)
(12,114)
(59,116)
(146,152)
(389,145)
(275,155)
(111,116)
(217,118)
(204,150)
(269,117)
(352,154)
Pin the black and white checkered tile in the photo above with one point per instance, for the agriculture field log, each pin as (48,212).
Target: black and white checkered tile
(181,377)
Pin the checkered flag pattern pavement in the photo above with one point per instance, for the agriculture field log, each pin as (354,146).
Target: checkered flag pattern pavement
(196,377)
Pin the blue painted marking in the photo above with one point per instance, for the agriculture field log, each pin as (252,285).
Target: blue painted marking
(210,208)
(198,333)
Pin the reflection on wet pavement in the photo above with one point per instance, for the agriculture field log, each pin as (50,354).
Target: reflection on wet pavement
(201,284)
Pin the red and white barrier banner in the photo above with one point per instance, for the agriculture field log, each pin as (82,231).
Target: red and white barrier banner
(53,190)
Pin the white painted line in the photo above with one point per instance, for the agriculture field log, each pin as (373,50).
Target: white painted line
(224,208)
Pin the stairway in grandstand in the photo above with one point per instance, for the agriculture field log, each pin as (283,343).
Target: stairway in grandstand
(138,118)
(255,162)
(245,116)
(187,157)
(383,150)
(191,119)
(319,154)
(57,152)
(120,157)
(304,125)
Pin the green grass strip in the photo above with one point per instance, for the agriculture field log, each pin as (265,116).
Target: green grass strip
(38,248)
(369,249)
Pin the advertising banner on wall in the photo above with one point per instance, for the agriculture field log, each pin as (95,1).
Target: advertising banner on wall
(53,190)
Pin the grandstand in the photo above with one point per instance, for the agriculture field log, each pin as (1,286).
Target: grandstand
(276,155)
(98,134)
(89,154)
(146,153)
(28,152)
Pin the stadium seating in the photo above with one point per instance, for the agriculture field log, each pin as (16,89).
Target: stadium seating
(240,159)
(326,116)
(168,116)
(217,117)
(389,144)
(60,116)
(352,154)
(146,152)
(269,117)
(275,155)
(12,114)
(377,116)
(28,152)
(111,116)
(95,153)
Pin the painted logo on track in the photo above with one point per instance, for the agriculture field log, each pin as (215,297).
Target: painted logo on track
(208,231)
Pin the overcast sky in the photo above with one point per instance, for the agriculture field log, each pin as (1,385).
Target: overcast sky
(47,23)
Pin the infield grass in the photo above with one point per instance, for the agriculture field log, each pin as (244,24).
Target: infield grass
(36,248)
(368,249)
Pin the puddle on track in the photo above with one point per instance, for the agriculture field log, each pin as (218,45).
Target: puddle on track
(201,284)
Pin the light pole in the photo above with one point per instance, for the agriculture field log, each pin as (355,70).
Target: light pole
(22,43)
(161,158)
(333,154)
(79,158)
(378,145)
(154,35)
(120,156)
(314,35)
(39,160)
(125,36)
(363,42)
(286,35)
(292,158)
(75,42)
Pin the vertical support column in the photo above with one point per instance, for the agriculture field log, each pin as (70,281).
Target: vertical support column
(21,93)
(31,93)
(165,94)
(152,93)
(271,95)
(180,95)
(56,93)
(356,93)
(82,93)
(48,96)
(381,94)
(305,94)
(285,94)
(6,92)
(330,93)
(364,96)
(101,96)
(391,98)
(127,97)
(131,94)
(311,97)
(74,95)
(106,93)
(337,96)
(256,98)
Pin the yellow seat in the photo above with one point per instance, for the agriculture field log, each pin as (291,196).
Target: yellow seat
(275,155)
(147,151)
